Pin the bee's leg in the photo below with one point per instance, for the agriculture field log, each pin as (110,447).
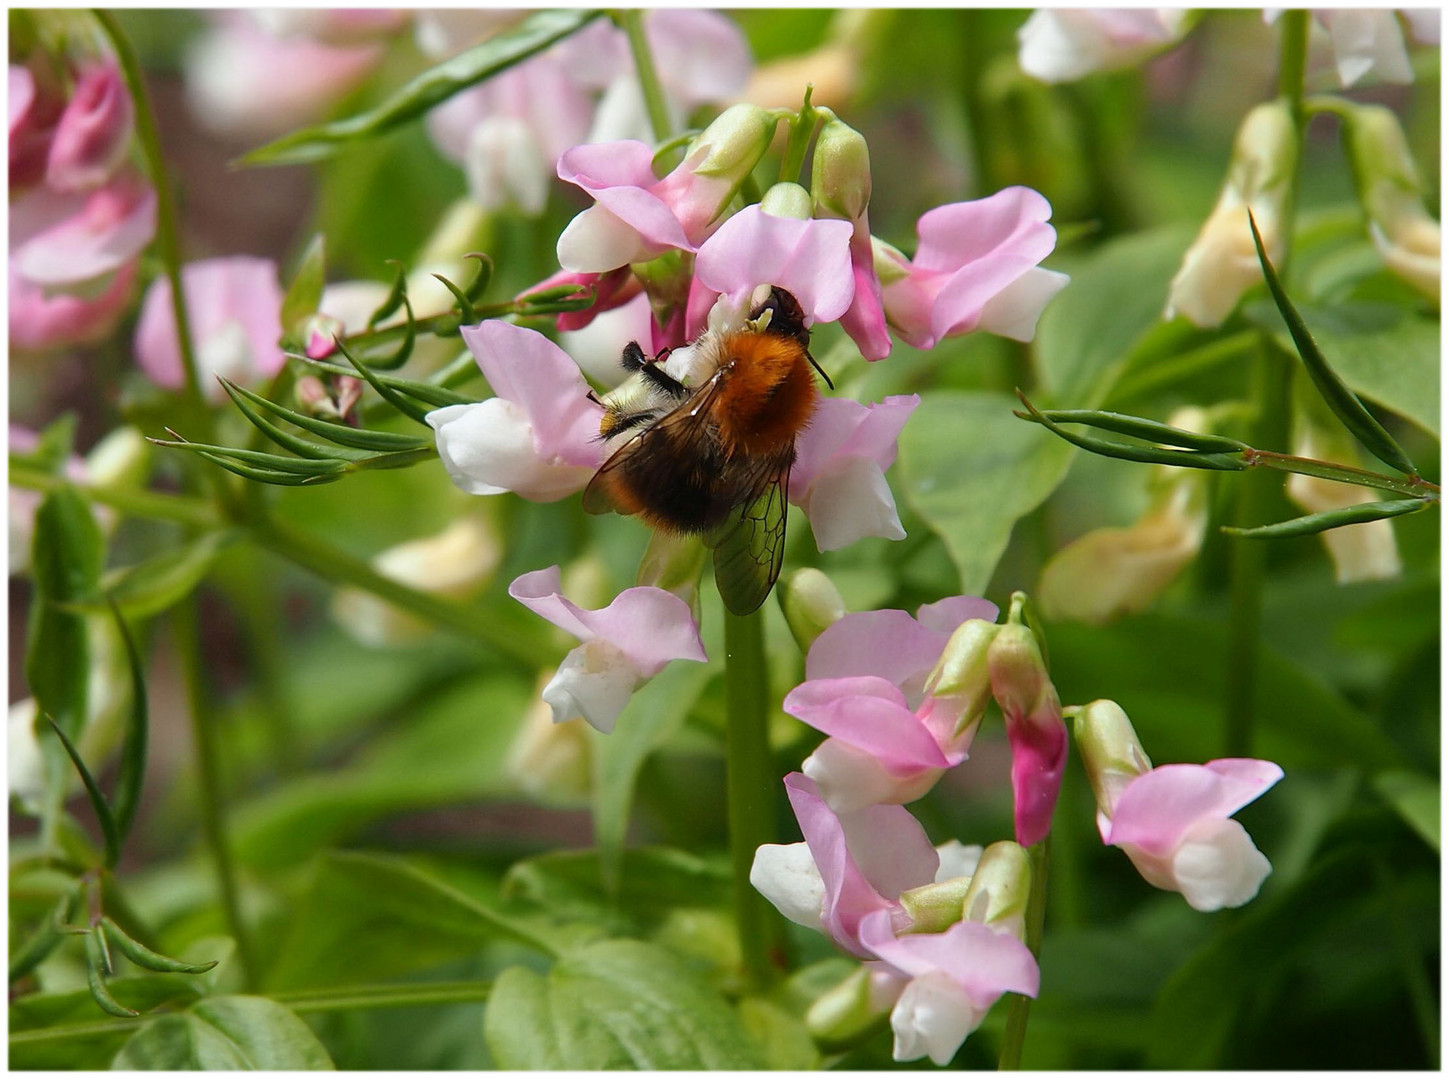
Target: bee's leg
(633,358)
(665,381)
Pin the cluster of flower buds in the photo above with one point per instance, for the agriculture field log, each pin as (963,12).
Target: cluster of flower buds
(900,700)
(80,211)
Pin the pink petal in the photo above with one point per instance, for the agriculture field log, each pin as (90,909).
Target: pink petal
(524,367)
(1038,756)
(865,322)
(649,626)
(845,428)
(33,117)
(809,259)
(81,238)
(93,133)
(871,714)
(488,447)
(986,962)
(709,59)
(1158,807)
(597,166)
(1011,225)
(887,643)
(850,501)
(39,321)
(945,615)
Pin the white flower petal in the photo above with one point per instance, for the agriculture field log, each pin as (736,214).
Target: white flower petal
(595,682)
(1217,865)
(851,500)
(1014,311)
(932,1019)
(786,875)
(488,448)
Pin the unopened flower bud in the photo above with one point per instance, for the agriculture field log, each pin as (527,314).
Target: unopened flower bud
(1000,888)
(811,603)
(935,907)
(737,139)
(846,1011)
(840,172)
(891,265)
(1111,753)
(787,200)
(1392,194)
(673,562)
(119,460)
(313,397)
(94,131)
(960,683)
(1222,263)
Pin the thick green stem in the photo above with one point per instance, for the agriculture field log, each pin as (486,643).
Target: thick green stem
(632,21)
(207,748)
(1019,1011)
(750,787)
(181,509)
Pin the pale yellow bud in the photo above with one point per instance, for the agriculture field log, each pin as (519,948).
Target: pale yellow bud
(1111,755)
(1362,552)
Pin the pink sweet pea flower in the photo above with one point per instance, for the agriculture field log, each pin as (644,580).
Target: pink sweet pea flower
(538,436)
(60,239)
(839,473)
(975,268)
(94,132)
(611,289)
(1174,824)
(1034,726)
(234,306)
(955,978)
(41,321)
(1060,45)
(623,644)
(849,866)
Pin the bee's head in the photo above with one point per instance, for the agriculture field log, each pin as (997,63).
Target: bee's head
(786,319)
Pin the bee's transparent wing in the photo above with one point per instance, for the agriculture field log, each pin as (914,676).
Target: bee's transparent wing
(750,548)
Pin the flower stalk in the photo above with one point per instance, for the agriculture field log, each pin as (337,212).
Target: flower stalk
(632,22)
(1019,1010)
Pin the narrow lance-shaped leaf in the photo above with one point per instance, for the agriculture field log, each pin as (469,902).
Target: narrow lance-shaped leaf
(1331,519)
(260,458)
(465,306)
(479,285)
(67,555)
(431,88)
(98,799)
(304,294)
(97,968)
(1343,401)
(1143,428)
(405,350)
(1192,459)
(131,772)
(150,587)
(394,297)
(342,434)
(394,399)
(32,953)
(141,956)
(285,439)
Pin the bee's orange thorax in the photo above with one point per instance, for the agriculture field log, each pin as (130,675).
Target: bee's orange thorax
(768,395)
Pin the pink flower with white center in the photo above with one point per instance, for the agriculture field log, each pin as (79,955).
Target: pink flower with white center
(1034,725)
(975,269)
(1174,821)
(1060,45)
(41,321)
(243,81)
(849,866)
(234,306)
(839,473)
(60,239)
(886,746)
(624,644)
(636,217)
(508,132)
(94,132)
(810,259)
(955,978)
(537,436)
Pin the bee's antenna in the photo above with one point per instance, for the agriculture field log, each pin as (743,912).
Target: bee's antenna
(820,369)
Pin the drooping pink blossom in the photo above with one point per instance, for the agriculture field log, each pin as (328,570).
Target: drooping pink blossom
(234,308)
(611,289)
(34,114)
(839,473)
(537,436)
(41,320)
(60,239)
(623,644)
(1034,727)
(974,269)
(1063,44)
(94,131)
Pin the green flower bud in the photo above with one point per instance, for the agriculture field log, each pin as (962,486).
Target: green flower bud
(673,562)
(891,265)
(846,1011)
(1109,750)
(936,907)
(787,200)
(840,172)
(811,602)
(1000,888)
(119,460)
(1018,673)
(736,141)
(961,679)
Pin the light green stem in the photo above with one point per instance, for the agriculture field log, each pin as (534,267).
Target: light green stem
(632,21)
(207,748)
(750,790)
(181,509)
(1019,1010)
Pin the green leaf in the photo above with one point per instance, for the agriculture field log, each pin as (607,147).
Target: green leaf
(653,715)
(429,89)
(53,446)
(304,294)
(342,434)
(781,1037)
(1415,797)
(150,587)
(1345,405)
(99,804)
(614,1005)
(429,392)
(226,1033)
(67,554)
(971,470)
(1330,519)
(1385,352)
(370,917)
(32,1046)
(397,401)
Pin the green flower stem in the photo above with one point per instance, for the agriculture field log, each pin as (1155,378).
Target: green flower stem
(207,748)
(181,509)
(750,784)
(632,21)
(511,638)
(1346,474)
(1014,1038)
(257,602)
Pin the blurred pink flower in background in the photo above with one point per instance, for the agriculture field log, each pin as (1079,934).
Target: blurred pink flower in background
(234,307)
(1063,44)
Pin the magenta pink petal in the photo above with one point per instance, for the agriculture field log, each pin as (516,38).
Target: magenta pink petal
(871,714)
(809,259)
(538,590)
(888,643)
(1158,807)
(596,166)
(525,367)
(1038,756)
(865,321)
(91,138)
(891,848)
(649,626)
(945,615)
